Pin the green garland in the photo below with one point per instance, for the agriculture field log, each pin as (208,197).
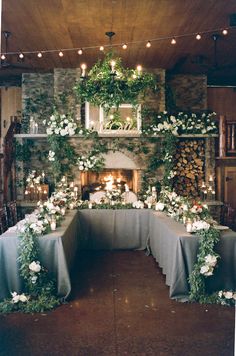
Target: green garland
(108,88)
(40,290)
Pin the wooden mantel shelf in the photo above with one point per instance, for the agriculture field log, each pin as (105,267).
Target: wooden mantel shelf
(122,134)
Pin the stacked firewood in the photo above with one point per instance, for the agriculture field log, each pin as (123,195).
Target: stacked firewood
(189,167)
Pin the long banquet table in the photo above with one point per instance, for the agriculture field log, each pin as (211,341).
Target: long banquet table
(173,248)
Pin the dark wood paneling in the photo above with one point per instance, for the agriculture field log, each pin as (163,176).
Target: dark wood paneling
(223,101)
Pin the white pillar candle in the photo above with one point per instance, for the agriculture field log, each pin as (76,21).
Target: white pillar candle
(63,211)
(71,206)
(53,225)
(189,227)
(149,205)
(90,205)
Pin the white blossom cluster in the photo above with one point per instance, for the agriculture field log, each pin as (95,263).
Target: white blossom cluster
(227,295)
(200,225)
(184,124)
(63,125)
(113,195)
(34,268)
(89,163)
(33,178)
(138,204)
(208,268)
(16,298)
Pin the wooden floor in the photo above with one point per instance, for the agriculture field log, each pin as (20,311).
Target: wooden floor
(120,306)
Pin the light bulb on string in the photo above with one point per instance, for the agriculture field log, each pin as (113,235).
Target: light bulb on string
(3,57)
(124,46)
(40,55)
(21,55)
(60,54)
(80,51)
(198,36)
(173,41)
(101,48)
(225,32)
(148,44)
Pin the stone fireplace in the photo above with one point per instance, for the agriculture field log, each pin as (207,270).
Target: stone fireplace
(120,170)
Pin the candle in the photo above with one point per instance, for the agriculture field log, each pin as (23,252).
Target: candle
(90,205)
(184,220)
(189,226)
(149,205)
(26,192)
(139,69)
(72,185)
(126,188)
(83,67)
(113,63)
(36,126)
(210,178)
(63,211)
(71,206)
(53,225)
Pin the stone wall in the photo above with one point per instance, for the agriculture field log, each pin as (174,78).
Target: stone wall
(188,92)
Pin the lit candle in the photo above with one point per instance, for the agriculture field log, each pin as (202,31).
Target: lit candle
(90,205)
(184,220)
(189,226)
(113,63)
(203,185)
(71,206)
(83,67)
(63,211)
(210,178)
(149,205)
(26,192)
(126,188)
(139,69)
(53,225)
(72,185)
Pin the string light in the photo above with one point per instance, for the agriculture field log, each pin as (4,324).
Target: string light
(198,36)
(3,57)
(40,55)
(173,41)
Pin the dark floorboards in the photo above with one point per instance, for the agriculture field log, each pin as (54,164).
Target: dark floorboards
(120,306)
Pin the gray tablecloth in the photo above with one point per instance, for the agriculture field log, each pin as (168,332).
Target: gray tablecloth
(176,252)
(114,229)
(173,248)
(57,251)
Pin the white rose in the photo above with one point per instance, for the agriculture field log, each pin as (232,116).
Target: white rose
(228,295)
(204,269)
(63,132)
(211,260)
(23,298)
(35,267)
(49,131)
(15,297)
(160,206)
(81,168)
(34,279)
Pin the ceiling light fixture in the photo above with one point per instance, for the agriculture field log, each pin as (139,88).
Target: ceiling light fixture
(40,55)
(225,32)
(173,41)
(21,55)
(198,37)
(124,46)
(148,44)
(80,51)
(60,54)
(3,57)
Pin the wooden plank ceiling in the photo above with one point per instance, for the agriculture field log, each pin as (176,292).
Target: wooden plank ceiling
(55,24)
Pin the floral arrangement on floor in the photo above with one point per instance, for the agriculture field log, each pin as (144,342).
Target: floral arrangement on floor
(40,289)
(182,209)
(181,123)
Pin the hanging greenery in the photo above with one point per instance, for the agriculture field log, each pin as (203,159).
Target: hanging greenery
(109,84)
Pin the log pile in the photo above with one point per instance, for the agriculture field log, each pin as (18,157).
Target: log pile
(189,167)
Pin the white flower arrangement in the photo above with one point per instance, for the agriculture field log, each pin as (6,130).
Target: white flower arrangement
(91,162)
(114,195)
(138,204)
(35,266)
(183,124)
(200,225)
(51,156)
(63,125)
(160,206)
(16,298)
(208,268)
